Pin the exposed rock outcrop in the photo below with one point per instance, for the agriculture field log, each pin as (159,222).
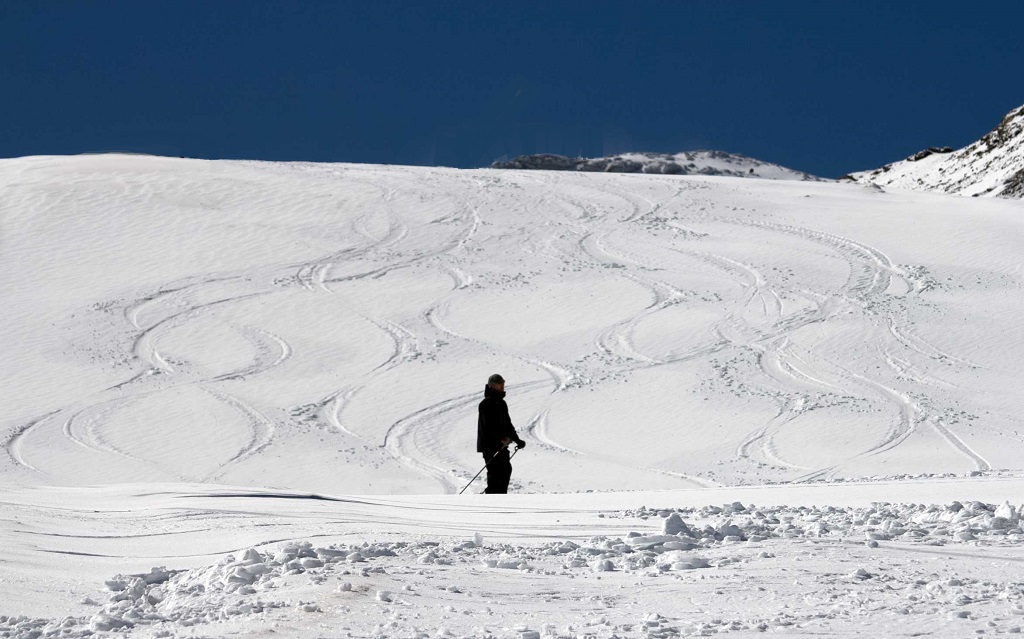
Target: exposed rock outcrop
(993,166)
(688,163)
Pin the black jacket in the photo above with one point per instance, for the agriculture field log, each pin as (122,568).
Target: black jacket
(494,423)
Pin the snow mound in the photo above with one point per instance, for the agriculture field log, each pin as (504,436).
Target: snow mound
(992,166)
(918,523)
(688,163)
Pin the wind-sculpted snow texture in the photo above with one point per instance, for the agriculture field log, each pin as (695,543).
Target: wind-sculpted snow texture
(330,327)
(992,166)
(735,570)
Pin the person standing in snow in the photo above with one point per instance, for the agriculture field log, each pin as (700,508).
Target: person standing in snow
(493,435)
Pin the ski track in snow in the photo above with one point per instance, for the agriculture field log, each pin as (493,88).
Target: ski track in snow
(658,333)
(617,339)
(560,378)
(153,316)
(652,232)
(406,348)
(271,351)
(14,442)
(412,438)
(537,427)
(261,429)
(871,274)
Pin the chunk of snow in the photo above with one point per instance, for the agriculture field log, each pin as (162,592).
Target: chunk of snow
(674,525)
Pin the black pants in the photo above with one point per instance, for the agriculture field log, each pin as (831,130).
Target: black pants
(499,471)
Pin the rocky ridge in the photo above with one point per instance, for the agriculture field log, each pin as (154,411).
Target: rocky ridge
(991,167)
(687,163)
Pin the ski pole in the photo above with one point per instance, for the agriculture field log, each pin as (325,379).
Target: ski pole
(483,469)
(488,463)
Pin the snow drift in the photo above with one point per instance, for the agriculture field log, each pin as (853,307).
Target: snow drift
(639,572)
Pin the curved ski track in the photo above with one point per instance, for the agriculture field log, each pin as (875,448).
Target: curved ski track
(576,234)
(173,306)
(871,275)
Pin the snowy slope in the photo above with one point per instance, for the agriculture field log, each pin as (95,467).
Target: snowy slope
(992,166)
(178,560)
(687,163)
(182,320)
(203,358)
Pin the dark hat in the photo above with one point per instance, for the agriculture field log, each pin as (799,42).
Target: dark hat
(495,379)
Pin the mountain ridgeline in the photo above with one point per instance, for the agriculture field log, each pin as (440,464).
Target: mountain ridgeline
(991,167)
(688,163)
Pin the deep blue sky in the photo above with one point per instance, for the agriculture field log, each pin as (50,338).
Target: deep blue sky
(822,86)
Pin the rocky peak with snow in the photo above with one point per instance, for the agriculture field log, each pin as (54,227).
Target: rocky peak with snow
(687,163)
(993,166)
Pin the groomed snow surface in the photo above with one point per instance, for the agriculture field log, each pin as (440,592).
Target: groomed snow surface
(262,380)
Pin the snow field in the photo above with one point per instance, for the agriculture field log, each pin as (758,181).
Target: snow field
(263,378)
(734,569)
(743,331)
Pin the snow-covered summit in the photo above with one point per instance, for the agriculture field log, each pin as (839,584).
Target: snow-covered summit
(992,166)
(687,163)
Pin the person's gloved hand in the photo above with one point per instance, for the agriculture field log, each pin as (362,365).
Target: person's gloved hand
(520,443)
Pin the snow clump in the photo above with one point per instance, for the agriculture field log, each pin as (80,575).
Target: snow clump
(958,522)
